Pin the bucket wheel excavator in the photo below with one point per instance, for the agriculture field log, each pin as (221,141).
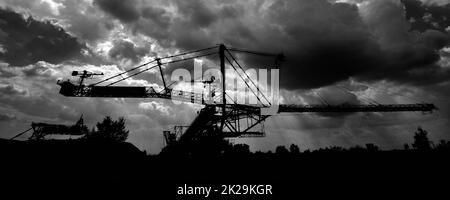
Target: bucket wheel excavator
(220,115)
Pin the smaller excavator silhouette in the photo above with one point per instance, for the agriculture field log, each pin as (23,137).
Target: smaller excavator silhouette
(41,130)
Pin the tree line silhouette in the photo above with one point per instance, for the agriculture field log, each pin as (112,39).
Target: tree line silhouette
(116,131)
(216,146)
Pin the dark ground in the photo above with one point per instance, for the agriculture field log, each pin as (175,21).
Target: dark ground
(122,164)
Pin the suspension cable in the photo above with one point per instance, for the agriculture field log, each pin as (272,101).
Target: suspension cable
(248,77)
(189,52)
(232,99)
(321,98)
(244,80)
(368,100)
(254,52)
(173,61)
(147,63)
(20,134)
(120,74)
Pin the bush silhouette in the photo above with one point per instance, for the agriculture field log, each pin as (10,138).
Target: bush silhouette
(421,141)
(294,149)
(109,130)
(281,150)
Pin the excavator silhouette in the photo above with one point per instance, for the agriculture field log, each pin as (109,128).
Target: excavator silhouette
(221,117)
(41,130)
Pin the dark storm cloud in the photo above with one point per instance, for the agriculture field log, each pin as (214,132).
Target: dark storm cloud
(27,41)
(324,42)
(123,49)
(335,42)
(124,10)
(427,16)
(85,21)
(157,15)
(197,13)
(78,17)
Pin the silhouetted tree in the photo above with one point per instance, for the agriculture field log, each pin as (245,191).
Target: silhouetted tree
(356,148)
(281,150)
(406,147)
(294,149)
(80,127)
(421,141)
(372,147)
(110,130)
(241,149)
(443,145)
(336,149)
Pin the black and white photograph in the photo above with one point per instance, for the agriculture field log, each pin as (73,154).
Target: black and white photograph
(225,99)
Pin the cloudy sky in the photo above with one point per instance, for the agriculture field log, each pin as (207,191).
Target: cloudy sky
(347,51)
